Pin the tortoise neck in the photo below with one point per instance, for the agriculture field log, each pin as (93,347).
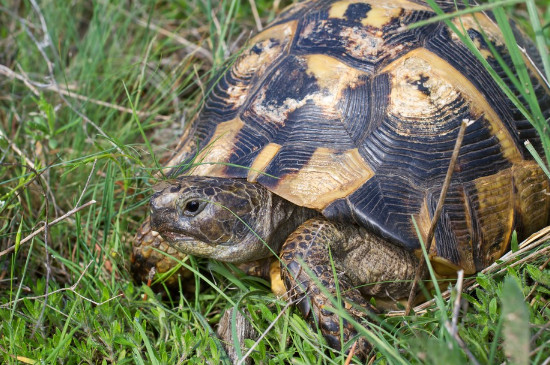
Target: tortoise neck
(285,218)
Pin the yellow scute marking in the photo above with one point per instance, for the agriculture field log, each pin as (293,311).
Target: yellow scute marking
(331,73)
(445,268)
(477,20)
(282,32)
(272,43)
(382,9)
(532,198)
(442,267)
(338,9)
(377,17)
(495,213)
(409,102)
(262,160)
(212,158)
(328,176)
(437,68)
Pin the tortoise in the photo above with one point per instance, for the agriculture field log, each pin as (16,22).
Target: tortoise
(332,131)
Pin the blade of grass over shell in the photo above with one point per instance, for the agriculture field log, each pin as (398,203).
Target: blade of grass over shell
(188,165)
(539,36)
(469,10)
(438,297)
(537,118)
(537,158)
(533,113)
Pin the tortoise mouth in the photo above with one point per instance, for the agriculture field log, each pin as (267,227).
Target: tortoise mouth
(189,245)
(178,238)
(170,232)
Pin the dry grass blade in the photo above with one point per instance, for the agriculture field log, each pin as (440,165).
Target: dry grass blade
(531,243)
(285,308)
(456,305)
(72,288)
(35,86)
(351,353)
(462,345)
(452,327)
(256,15)
(454,157)
(41,229)
(15,148)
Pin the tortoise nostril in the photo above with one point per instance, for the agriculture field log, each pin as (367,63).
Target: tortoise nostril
(175,189)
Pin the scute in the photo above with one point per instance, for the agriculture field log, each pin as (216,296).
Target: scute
(337,106)
(329,175)
(362,34)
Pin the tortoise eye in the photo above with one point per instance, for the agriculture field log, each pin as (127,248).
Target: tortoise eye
(192,207)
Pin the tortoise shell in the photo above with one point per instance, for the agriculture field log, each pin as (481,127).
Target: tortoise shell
(340,107)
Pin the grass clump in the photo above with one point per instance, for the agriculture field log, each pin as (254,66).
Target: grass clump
(93,98)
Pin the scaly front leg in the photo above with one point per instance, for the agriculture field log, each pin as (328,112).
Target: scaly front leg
(359,258)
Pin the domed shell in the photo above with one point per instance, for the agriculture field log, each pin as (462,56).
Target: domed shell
(340,107)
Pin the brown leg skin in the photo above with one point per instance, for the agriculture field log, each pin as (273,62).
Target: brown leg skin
(359,258)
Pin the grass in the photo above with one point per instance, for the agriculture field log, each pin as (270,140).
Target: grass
(93,96)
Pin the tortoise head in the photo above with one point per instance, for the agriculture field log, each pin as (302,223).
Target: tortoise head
(225,219)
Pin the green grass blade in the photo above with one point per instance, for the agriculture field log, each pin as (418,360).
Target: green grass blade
(516,322)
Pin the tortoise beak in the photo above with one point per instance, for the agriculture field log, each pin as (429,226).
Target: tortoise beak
(163,209)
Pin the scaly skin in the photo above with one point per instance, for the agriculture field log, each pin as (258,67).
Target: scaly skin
(145,258)
(237,221)
(230,218)
(358,257)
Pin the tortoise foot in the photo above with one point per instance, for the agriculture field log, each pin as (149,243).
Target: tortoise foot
(148,258)
(309,277)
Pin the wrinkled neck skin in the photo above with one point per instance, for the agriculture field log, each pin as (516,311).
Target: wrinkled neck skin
(285,217)
(225,219)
